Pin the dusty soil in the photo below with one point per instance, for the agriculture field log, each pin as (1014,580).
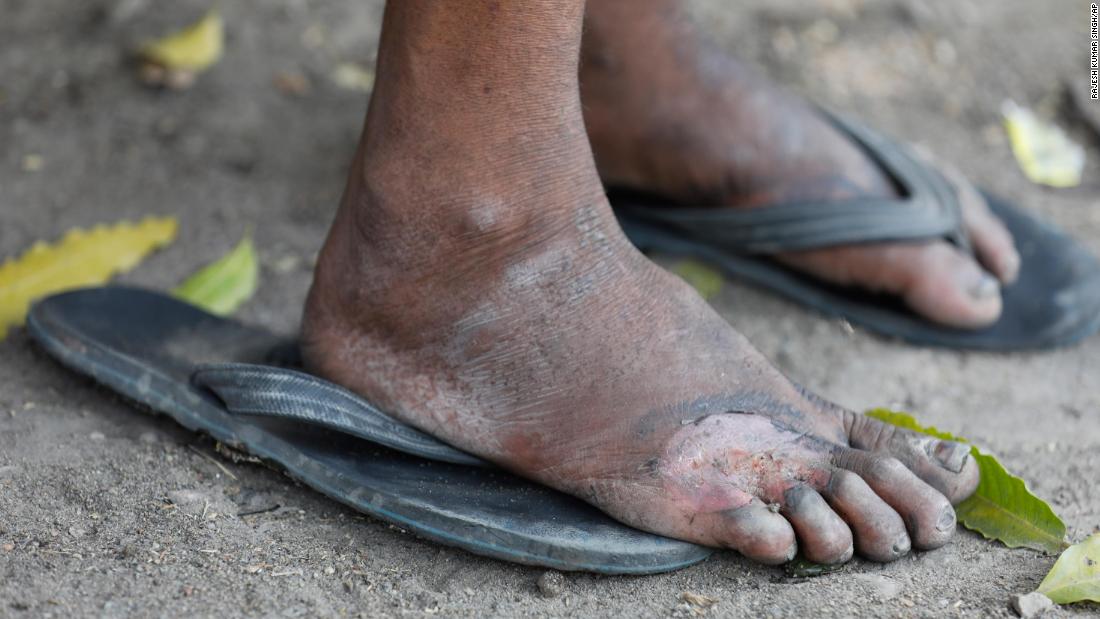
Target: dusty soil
(107,511)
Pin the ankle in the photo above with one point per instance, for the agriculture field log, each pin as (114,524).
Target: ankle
(515,187)
(418,224)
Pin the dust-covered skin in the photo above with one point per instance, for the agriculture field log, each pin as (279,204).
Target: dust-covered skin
(668,113)
(212,156)
(475,284)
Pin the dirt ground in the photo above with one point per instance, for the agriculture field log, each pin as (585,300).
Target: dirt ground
(106,511)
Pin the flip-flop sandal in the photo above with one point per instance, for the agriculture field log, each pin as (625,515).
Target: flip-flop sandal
(1054,302)
(224,379)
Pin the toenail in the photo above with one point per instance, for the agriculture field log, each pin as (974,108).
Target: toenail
(947,520)
(986,287)
(1010,267)
(901,546)
(951,456)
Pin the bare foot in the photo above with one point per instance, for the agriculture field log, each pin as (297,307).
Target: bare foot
(476,285)
(666,113)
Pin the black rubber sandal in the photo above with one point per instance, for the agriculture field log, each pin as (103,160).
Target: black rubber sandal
(222,378)
(1054,302)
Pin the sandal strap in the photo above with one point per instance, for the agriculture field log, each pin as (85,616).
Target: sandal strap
(927,209)
(267,391)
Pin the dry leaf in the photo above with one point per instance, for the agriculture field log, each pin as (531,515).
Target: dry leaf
(695,599)
(81,258)
(1045,153)
(174,60)
(194,48)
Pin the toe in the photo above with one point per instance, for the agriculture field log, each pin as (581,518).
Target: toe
(878,530)
(759,533)
(935,279)
(822,534)
(946,285)
(927,513)
(944,465)
(992,241)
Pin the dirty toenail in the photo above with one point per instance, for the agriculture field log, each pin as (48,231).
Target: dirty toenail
(901,546)
(986,287)
(951,456)
(947,520)
(1010,267)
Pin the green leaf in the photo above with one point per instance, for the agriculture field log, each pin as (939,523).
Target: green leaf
(704,279)
(224,285)
(1075,576)
(906,421)
(1002,508)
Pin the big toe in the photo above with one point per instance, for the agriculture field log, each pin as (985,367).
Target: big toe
(948,286)
(944,465)
(935,279)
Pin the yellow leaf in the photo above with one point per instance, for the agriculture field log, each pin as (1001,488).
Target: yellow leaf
(223,285)
(81,258)
(1044,152)
(194,48)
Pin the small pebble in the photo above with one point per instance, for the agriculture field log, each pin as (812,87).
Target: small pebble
(286,264)
(190,501)
(551,584)
(944,52)
(149,437)
(822,32)
(97,436)
(1033,604)
(292,83)
(32,163)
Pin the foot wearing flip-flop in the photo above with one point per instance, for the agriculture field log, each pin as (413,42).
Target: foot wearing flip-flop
(475,285)
(668,114)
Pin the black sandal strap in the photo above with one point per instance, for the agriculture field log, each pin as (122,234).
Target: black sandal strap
(928,209)
(248,389)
